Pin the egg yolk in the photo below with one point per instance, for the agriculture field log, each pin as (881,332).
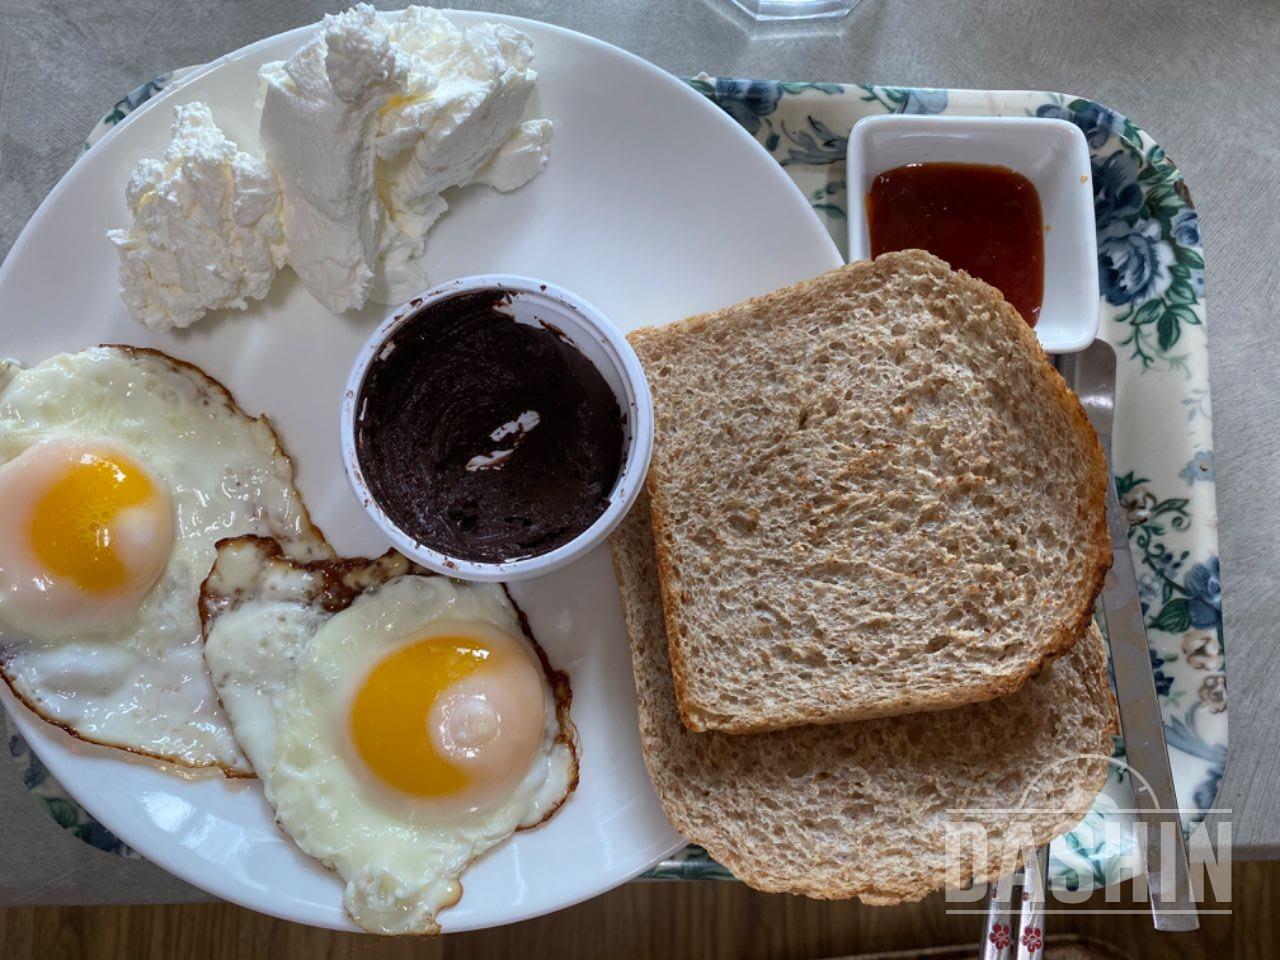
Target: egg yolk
(449,716)
(71,526)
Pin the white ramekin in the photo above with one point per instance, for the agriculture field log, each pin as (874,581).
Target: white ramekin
(1051,153)
(544,304)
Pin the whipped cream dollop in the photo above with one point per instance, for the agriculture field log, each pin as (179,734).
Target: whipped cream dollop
(371,121)
(207,228)
(364,128)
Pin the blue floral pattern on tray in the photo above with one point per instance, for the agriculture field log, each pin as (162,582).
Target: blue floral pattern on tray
(131,101)
(56,801)
(1151,273)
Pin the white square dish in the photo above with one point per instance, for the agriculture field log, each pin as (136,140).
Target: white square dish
(1052,154)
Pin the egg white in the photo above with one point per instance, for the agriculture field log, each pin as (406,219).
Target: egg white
(285,667)
(140,682)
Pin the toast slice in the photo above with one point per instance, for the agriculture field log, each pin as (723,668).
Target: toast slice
(861,809)
(872,495)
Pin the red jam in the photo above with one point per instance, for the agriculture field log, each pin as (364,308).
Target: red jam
(982,219)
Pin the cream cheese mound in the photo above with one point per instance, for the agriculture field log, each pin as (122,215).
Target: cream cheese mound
(207,232)
(371,121)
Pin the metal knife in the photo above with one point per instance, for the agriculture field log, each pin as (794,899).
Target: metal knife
(1092,374)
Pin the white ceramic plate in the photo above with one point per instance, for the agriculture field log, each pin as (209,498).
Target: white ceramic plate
(655,205)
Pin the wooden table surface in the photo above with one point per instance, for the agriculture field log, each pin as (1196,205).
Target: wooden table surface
(1201,76)
(706,920)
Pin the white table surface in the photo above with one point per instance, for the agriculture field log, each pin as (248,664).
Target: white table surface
(1200,75)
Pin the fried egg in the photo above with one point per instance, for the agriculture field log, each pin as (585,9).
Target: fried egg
(401,723)
(120,469)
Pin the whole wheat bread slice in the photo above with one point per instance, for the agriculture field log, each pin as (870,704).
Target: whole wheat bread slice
(860,809)
(872,495)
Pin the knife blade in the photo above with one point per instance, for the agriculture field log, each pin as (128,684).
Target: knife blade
(1091,374)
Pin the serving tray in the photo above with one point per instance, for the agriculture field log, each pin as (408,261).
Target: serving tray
(1152,308)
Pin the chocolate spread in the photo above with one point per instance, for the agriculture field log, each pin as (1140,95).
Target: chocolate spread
(486,439)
